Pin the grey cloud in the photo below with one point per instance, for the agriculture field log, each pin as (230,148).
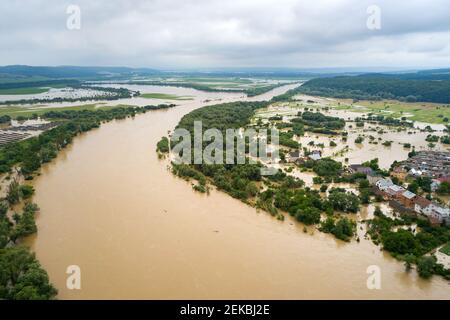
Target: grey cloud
(217,33)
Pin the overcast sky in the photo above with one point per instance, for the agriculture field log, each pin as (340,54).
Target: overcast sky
(174,34)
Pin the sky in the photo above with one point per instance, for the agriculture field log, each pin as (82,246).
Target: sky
(196,34)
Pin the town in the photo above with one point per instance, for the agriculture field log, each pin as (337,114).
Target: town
(431,164)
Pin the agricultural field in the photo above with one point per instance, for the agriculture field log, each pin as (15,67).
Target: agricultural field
(417,111)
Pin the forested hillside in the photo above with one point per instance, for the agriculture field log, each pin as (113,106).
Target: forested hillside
(406,87)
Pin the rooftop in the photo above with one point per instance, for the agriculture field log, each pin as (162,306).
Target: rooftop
(408,194)
(444,179)
(421,201)
(396,188)
(294,154)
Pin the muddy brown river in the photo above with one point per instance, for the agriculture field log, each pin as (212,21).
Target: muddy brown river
(110,206)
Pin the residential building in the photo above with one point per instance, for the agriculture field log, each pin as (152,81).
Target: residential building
(359,168)
(433,211)
(374,178)
(406,198)
(436,183)
(315,155)
(293,156)
(421,205)
(399,172)
(383,184)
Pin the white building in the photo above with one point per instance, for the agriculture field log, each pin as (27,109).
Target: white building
(433,211)
(384,184)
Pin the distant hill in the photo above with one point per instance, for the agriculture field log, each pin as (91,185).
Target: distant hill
(423,86)
(22,73)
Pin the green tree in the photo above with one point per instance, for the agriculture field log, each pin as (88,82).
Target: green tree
(344,229)
(26,191)
(342,201)
(13,193)
(21,276)
(426,266)
(25,223)
(308,215)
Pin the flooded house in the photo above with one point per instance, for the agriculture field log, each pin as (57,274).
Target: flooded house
(359,168)
(406,198)
(433,211)
(315,155)
(293,156)
(436,183)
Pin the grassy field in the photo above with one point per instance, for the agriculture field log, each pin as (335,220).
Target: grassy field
(164,96)
(16,91)
(446,249)
(419,111)
(14,112)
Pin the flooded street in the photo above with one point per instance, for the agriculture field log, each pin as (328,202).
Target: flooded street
(110,206)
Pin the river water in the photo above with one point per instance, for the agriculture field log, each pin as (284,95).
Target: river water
(110,206)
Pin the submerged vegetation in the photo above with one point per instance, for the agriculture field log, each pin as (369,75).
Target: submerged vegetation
(411,244)
(21,276)
(104,93)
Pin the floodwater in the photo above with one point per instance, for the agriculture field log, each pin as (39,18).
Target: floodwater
(374,136)
(111,207)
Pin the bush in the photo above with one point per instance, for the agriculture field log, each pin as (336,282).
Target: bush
(26,191)
(308,216)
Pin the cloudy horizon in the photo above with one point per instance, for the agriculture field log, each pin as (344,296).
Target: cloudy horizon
(188,34)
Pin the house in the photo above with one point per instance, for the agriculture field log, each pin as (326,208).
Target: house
(315,155)
(436,183)
(406,198)
(383,184)
(394,191)
(415,173)
(399,172)
(373,178)
(358,168)
(434,212)
(293,156)
(444,179)
(438,214)
(421,204)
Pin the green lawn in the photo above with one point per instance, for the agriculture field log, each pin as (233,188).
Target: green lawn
(16,91)
(164,96)
(446,249)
